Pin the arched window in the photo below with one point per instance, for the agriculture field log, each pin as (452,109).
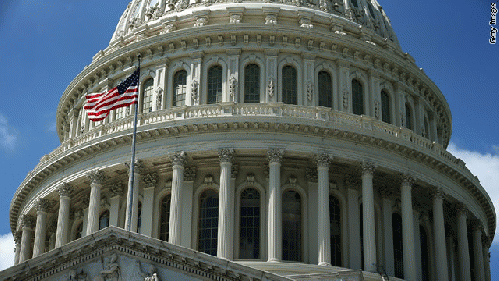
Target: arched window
(249,234)
(291,223)
(165,218)
(179,87)
(289,85)
(398,245)
(325,89)
(335,224)
(215,84)
(385,107)
(208,222)
(408,117)
(147,96)
(252,83)
(104,220)
(425,254)
(357,97)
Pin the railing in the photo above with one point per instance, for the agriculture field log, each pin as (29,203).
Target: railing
(329,118)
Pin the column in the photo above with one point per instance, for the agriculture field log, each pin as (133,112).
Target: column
(17,249)
(275,205)
(477,244)
(417,245)
(463,249)
(486,261)
(148,204)
(175,227)
(27,223)
(387,228)
(114,203)
(409,252)
(96,178)
(354,229)
(369,221)
(132,200)
(439,232)
(42,207)
(324,235)
(187,192)
(61,234)
(225,209)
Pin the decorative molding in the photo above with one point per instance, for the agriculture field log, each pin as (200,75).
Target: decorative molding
(368,167)
(408,179)
(190,173)
(311,174)
(179,158)
(234,170)
(96,176)
(226,155)
(28,221)
(275,155)
(43,205)
(323,160)
(65,189)
(117,188)
(150,180)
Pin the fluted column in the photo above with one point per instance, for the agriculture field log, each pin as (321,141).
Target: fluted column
(132,201)
(410,272)
(388,231)
(324,229)
(17,249)
(369,221)
(439,231)
(114,209)
(463,249)
(226,204)
(275,206)
(27,224)
(175,226)
(61,234)
(148,204)
(478,252)
(96,178)
(42,207)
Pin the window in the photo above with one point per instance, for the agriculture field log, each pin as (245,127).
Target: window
(357,97)
(249,236)
(385,107)
(335,224)
(104,220)
(179,87)
(408,117)
(252,83)
(120,112)
(289,85)
(139,217)
(79,230)
(208,222)
(398,245)
(291,216)
(325,89)
(215,84)
(165,218)
(426,128)
(147,96)
(425,254)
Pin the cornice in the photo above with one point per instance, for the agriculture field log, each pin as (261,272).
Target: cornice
(301,120)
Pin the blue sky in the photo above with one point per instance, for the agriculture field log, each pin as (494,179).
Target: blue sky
(45,44)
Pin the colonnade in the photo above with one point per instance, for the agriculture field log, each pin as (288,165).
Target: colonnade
(275,238)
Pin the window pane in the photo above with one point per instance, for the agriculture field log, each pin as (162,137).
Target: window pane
(252,83)
(215,84)
(335,224)
(289,85)
(325,89)
(385,107)
(147,97)
(179,88)
(165,218)
(208,222)
(357,97)
(249,241)
(291,216)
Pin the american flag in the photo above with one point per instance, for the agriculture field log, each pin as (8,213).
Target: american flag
(99,104)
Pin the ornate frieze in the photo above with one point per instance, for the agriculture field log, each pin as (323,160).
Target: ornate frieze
(226,155)
(275,155)
(150,180)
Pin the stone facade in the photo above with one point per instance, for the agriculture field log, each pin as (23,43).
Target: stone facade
(267,132)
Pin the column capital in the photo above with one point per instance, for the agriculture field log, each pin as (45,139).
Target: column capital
(439,194)
(179,158)
(408,179)
(65,189)
(96,176)
(275,155)
(137,167)
(226,155)
(323,160)
(150,180)
(368,167)
(28,221)
(43,205)
(461,209)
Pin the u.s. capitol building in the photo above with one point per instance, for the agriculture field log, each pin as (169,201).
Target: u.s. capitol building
(276,140)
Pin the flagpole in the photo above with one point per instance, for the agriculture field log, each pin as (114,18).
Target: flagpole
(132,162)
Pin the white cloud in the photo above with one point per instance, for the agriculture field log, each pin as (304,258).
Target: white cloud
(8,136)
(6,251)
(486,168)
